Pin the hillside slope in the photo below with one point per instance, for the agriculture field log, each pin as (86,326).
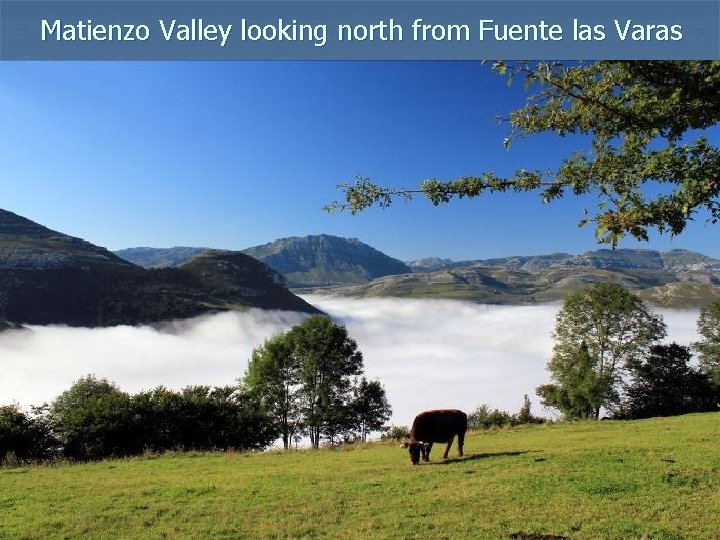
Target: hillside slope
(655,478)
(676,278)
(326,260)
(48,277)
(331,265)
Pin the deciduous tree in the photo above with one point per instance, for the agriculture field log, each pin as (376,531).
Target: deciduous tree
(370,408)
(273,375)
(598,332)
(578,391)
(329,363)
(307,379)
(665,384)
(708,347)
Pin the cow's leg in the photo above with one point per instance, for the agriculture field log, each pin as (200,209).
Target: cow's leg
(447,448)
(461,442)
(426,455)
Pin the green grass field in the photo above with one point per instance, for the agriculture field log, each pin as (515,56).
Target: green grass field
(656,478)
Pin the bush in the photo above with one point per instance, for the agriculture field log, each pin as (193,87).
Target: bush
(94,420)
(202,418)
(23,437)
(396,433)
(484,418)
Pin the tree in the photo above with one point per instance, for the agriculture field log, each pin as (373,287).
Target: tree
(94,419)
(664,384)
(640,119)
(708,347)
(598,332)
(524,415)
(579,391)
(273,375)
(307,381)
(329,362)
(370,408)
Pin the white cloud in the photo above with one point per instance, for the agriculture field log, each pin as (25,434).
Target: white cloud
(39,364)
(427,353)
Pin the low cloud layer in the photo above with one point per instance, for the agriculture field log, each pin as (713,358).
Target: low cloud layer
(427,353)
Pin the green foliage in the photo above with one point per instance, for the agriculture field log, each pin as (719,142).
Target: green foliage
(201,418)
(485,418)
(640,118)
(579,391)
(24,437)
(396,433)
(370,408)
(598,332)
(524,415)
(307,379)
(94,419)
(664,384)
(329,361)
(273,376)
(708,347)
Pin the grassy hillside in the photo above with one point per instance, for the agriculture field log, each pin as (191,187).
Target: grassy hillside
(657,478)
(503,285)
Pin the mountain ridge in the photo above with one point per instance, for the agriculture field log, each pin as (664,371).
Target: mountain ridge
(48,277)
(673,278)
(325,260)
(313,260)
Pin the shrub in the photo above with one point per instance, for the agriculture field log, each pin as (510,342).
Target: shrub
(484,418)
(395,433)
(23,437)
(94,419)
(202,418)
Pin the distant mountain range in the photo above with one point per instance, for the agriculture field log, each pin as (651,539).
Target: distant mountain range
(307,261)
(47,277)
(333,265)
(676,260)
(676,278)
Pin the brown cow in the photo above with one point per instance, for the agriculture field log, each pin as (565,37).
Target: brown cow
(439,426)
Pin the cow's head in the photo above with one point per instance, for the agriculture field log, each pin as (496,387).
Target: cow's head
(414,449)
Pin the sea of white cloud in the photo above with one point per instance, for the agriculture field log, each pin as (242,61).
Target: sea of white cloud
(427,353)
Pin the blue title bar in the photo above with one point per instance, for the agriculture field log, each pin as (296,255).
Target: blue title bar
(358,30)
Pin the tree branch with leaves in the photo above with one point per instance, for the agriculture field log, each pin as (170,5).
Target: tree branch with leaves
(649,159)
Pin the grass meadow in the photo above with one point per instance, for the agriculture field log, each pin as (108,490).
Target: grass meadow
(657,478)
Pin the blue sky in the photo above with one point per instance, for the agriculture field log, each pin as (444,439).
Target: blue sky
(234,154)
